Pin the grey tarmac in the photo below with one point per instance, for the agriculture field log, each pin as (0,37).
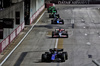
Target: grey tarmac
(81,48)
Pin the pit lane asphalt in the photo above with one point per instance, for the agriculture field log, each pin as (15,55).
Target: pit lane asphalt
(37,42)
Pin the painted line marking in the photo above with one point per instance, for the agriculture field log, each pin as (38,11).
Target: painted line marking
(60,43)
(56,43)
(96,62)
(20,41)
(86,34)
(49,33)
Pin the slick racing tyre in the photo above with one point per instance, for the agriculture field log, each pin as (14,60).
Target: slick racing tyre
(44,57)
(67,35)
(66,55)
(62,22)
(63,57)
(51,21)
(58,16)
(50,16)
(52,34)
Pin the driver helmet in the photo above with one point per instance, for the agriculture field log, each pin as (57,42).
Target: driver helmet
(55,49)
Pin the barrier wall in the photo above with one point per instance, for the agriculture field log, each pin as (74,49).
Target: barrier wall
(14,34)
(34,16)
(11,37)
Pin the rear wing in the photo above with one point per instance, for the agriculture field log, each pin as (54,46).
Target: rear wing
(58,50)
(60,29)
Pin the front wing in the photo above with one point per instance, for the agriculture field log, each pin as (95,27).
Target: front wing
(57,23)
(62,36)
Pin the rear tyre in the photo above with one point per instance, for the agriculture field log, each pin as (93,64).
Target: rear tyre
(48,11)
(63,57)
(51,21)
(50,16)
(66,55)
(44,57)
(58,16)
(62,22)
(52,34)
(56,11)
(67,35)
(53,16)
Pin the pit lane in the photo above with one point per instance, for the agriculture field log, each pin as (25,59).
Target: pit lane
(37,42)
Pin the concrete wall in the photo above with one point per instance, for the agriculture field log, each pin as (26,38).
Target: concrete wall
(32,7)
(15,1)
(39,3)
(10,13)
(36,6)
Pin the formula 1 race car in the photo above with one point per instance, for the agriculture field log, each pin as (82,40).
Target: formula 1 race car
(53,15)
(57,21)
(50,8)
(54,55)
(60,33)
(54,10)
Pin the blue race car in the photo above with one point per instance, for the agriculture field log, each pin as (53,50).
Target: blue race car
(54,55)
(57,21)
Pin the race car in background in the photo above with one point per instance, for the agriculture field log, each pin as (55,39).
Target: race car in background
(54,55)
(57,21)
(60,33)
(52,9)
(53,15)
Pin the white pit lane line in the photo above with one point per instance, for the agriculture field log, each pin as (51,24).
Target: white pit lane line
(96,62)
(20,41)
(56,43)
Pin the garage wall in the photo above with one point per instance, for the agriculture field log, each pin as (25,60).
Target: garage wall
(10,13)
(37,4)
(15,1)
(10,33)
(36,7)
(32,7)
